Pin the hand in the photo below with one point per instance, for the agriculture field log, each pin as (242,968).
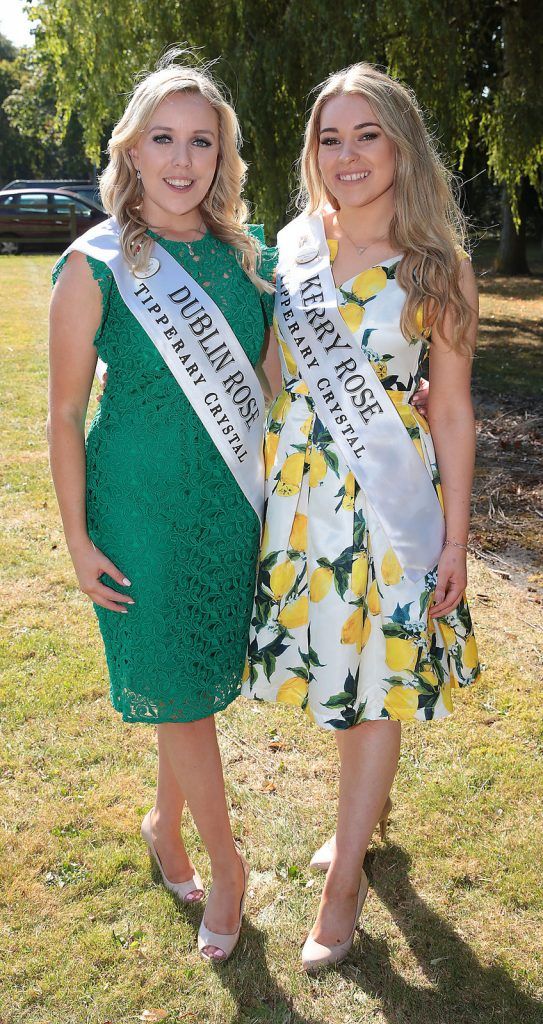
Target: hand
(89,564)
(103,383)
(420,398)
(452,578)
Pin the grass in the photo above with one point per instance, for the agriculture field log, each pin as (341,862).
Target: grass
(452,930)
(510,346)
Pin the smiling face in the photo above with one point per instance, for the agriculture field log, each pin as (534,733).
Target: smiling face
(176,156)
(355,157)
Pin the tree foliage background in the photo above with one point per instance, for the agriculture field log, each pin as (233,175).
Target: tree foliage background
(474,65)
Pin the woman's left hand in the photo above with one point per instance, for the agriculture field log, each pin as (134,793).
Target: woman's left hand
(452,578)
(420,398)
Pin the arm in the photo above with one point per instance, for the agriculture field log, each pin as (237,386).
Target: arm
(269,368)
(450,414)
(74,319)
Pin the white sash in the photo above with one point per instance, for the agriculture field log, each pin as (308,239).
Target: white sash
(351,401)
(199,347)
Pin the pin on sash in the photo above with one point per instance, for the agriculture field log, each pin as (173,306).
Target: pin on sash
(152,267)
(306,253)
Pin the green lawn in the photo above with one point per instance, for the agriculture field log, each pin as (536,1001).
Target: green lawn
(453,925)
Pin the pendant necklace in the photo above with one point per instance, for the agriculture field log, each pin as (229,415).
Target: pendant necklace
(201,230)
(189,245)
(361,248)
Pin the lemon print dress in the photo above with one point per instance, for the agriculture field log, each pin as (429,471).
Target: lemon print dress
(163,505)
(336,628)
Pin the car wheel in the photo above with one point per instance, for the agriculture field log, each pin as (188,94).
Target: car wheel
(9,246)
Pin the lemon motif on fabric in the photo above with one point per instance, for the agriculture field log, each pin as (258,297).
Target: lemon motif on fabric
(471,656)
(282,578)
(391,569)
(321,581)
(338,630)
(359,578)
(401,702)
(364,288)
(355,630)
(291,475)
(317,467)
(348,498)
(294,691)
(400,654)
(295,614)
(374,604)
(271,445)
(298,534)
(290,362)
(281,407)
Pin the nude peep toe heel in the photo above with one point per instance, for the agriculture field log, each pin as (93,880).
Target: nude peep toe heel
(226,943)
(191,891)
(320,860)
(315,955)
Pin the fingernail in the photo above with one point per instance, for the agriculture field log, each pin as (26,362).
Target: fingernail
(124,611)
(131,601)
(126,583)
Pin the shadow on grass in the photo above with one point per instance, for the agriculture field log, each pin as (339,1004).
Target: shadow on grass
(505,287)
(255,991)
(508,367)
(462,989)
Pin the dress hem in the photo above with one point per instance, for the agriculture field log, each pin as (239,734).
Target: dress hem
(164,721)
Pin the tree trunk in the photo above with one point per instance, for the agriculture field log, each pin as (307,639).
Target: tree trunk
(511,258)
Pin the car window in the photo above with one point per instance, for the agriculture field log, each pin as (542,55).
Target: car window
(28,202)
(61,204)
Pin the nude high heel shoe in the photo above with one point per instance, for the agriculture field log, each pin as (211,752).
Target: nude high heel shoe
(191,891)
(320,860)
(226,943)
(315,955)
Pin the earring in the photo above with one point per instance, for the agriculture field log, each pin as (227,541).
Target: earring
(138,174)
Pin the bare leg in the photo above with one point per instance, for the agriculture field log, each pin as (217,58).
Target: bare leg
(195,761)
(166,822)
(369,758)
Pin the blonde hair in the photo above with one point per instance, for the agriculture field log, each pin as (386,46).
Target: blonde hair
(223,210)
(427,226)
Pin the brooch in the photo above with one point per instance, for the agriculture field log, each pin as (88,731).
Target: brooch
(148,271)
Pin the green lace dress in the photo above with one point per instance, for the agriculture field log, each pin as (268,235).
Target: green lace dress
(162,504)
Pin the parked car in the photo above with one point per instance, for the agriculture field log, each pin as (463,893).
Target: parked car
(81,187)
(44,218)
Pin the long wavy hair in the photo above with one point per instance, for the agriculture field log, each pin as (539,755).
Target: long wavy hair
(223,210)
(427,226)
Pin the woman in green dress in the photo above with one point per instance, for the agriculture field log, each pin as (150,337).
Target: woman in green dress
(162,538)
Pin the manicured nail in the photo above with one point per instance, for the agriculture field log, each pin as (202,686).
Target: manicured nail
(126,583)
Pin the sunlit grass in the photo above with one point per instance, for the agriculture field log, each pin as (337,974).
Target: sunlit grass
(452,929)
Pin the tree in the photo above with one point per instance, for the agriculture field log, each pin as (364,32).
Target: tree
(30,147)
(473,65)
(512,126)
(17,158)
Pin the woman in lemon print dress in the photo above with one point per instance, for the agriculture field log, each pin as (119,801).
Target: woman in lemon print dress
(339,626)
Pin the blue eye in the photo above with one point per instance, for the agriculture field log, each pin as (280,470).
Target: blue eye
(202,143)
(161,139)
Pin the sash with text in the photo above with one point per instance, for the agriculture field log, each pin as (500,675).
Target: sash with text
(199,347)
(351,401)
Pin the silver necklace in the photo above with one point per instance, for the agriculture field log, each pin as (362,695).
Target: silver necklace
(361,249)
(190,244)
